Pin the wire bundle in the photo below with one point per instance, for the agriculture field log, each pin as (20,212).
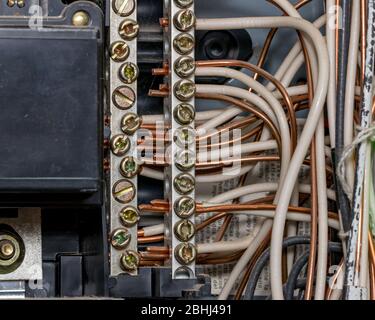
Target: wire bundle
(269,109)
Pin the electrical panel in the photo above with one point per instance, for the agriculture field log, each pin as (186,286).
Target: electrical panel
(186,149)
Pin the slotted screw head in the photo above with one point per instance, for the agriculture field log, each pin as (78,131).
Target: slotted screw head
(128,72)
(184,183)
(119,51)
(120,145)
(184,43)
(128,29)
(129,167)
(130,123)
(120,239)
(123,97)
(184,90)
(129,216)
(184,230)
(123,7)
(184,136)
(185,160)
(11,3)
(184,113)
(123,191)
(184,207)
(185,253)
(184,66)
(129,261)
(79,19)
(184,20)
(183,3)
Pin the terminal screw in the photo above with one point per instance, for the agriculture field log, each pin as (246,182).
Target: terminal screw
(184,230)
(184,43)
(184,113)
(184,66)
(123,191)
(183,3)
(184,136)
(120,239)
(128,29)
(184,90)
(120,145)
(119,51)
(129,168)
(184,20)
(130,123)
(123,97)
(184,183)
(129,216)
(130,261)
(128,72)
(184,207)
(123,7)
(185,253)
(185,160)
(11,3)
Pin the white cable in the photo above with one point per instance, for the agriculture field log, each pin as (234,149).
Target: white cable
(322,260)
(350,87)
(154,230)
(293,54)
(216,154)
(245,242)
(257,188)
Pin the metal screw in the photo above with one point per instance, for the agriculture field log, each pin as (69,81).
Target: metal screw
(129,216)
(123,191)
(123,7)
(129,168)
(79,19)
(130,123)
(7,249)
(185,253)
(184,20)
(10,250)
(184,136)
(184,90)
(128,72)
(184,183)
(21,3)
(120,239)
(128,29)
(184,43)
(119,51)
(184,113)
(184,66)
(184,207)
(185,160)
(130,261)
(120,145)
(183,3)
(184,230)
(123,97)
(11,3)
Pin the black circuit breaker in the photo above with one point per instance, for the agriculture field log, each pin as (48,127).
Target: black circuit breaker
(51,109)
